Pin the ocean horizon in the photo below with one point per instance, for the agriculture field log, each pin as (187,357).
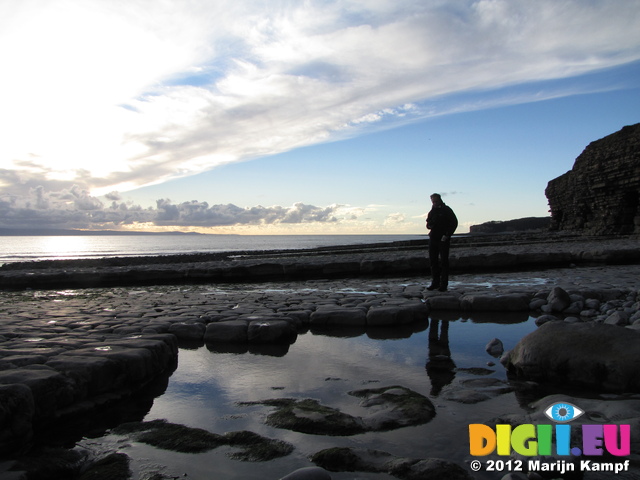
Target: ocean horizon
(68,247)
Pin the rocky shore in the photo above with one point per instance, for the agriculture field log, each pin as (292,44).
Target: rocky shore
(67,353)
(469,254)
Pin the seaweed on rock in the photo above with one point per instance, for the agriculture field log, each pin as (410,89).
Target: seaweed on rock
(180,438)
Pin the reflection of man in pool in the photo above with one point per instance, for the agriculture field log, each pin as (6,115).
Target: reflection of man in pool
(440,367)
(441,222)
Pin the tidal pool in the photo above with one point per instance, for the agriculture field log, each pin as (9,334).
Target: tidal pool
(434,358)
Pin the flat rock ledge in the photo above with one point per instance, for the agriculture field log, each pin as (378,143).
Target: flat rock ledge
(47,379)
(69,352)
(468,255)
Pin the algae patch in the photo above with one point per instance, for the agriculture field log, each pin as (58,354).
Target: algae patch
(389,408)
(180,438)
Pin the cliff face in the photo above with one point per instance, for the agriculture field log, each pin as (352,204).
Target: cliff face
(600,195)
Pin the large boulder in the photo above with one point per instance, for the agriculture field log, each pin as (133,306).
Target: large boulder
(586,355)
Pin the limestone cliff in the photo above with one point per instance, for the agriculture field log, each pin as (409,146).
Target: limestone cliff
(600,195)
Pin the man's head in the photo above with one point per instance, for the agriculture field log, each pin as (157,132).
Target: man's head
(436,199)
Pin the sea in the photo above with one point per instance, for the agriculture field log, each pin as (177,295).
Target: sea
(35,248)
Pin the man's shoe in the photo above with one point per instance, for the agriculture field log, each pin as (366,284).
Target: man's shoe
(433,287)
(442,289)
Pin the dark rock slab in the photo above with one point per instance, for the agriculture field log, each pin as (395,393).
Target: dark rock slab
(233,331)
(74,379)
(511,302)
(338,315)
(271,331)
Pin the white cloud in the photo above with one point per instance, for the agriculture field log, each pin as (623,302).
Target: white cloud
(77,208)
(113,95)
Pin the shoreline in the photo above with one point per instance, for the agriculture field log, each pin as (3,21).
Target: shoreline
(469,254)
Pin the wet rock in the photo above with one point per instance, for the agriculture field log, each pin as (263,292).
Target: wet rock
(309,416)
(298,317)
(188,331)
(588,355)
(466,396)
(337,315)
(537,303)
(92,375)
(49,463)
(308,473)
(394,407)
(572,320)
(179,438)
(590,313)
(558,300)
(114,465)
(17,410)
(50,389)
(256,448)
(391,408)
(542,319)
(232,331)
(514,302)
(575,307)
(476,390)
(271,331)
(376,461)
(443,302)
(401,314)
(592,303)
(135,366)
(495,347)
(618,318)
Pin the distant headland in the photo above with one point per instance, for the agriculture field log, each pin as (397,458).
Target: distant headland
(45,232)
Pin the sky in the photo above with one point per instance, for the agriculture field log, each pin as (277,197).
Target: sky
(302,116)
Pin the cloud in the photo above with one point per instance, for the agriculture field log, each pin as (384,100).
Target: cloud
(76,208)
(114,95)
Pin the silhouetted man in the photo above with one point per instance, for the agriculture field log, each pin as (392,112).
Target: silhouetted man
(441,222)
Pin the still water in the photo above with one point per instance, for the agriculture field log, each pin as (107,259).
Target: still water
(205,390)
(27,248)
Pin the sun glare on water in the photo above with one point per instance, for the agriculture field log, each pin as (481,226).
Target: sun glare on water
(66,247)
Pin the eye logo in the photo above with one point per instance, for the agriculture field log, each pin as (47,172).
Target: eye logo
(563,412)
